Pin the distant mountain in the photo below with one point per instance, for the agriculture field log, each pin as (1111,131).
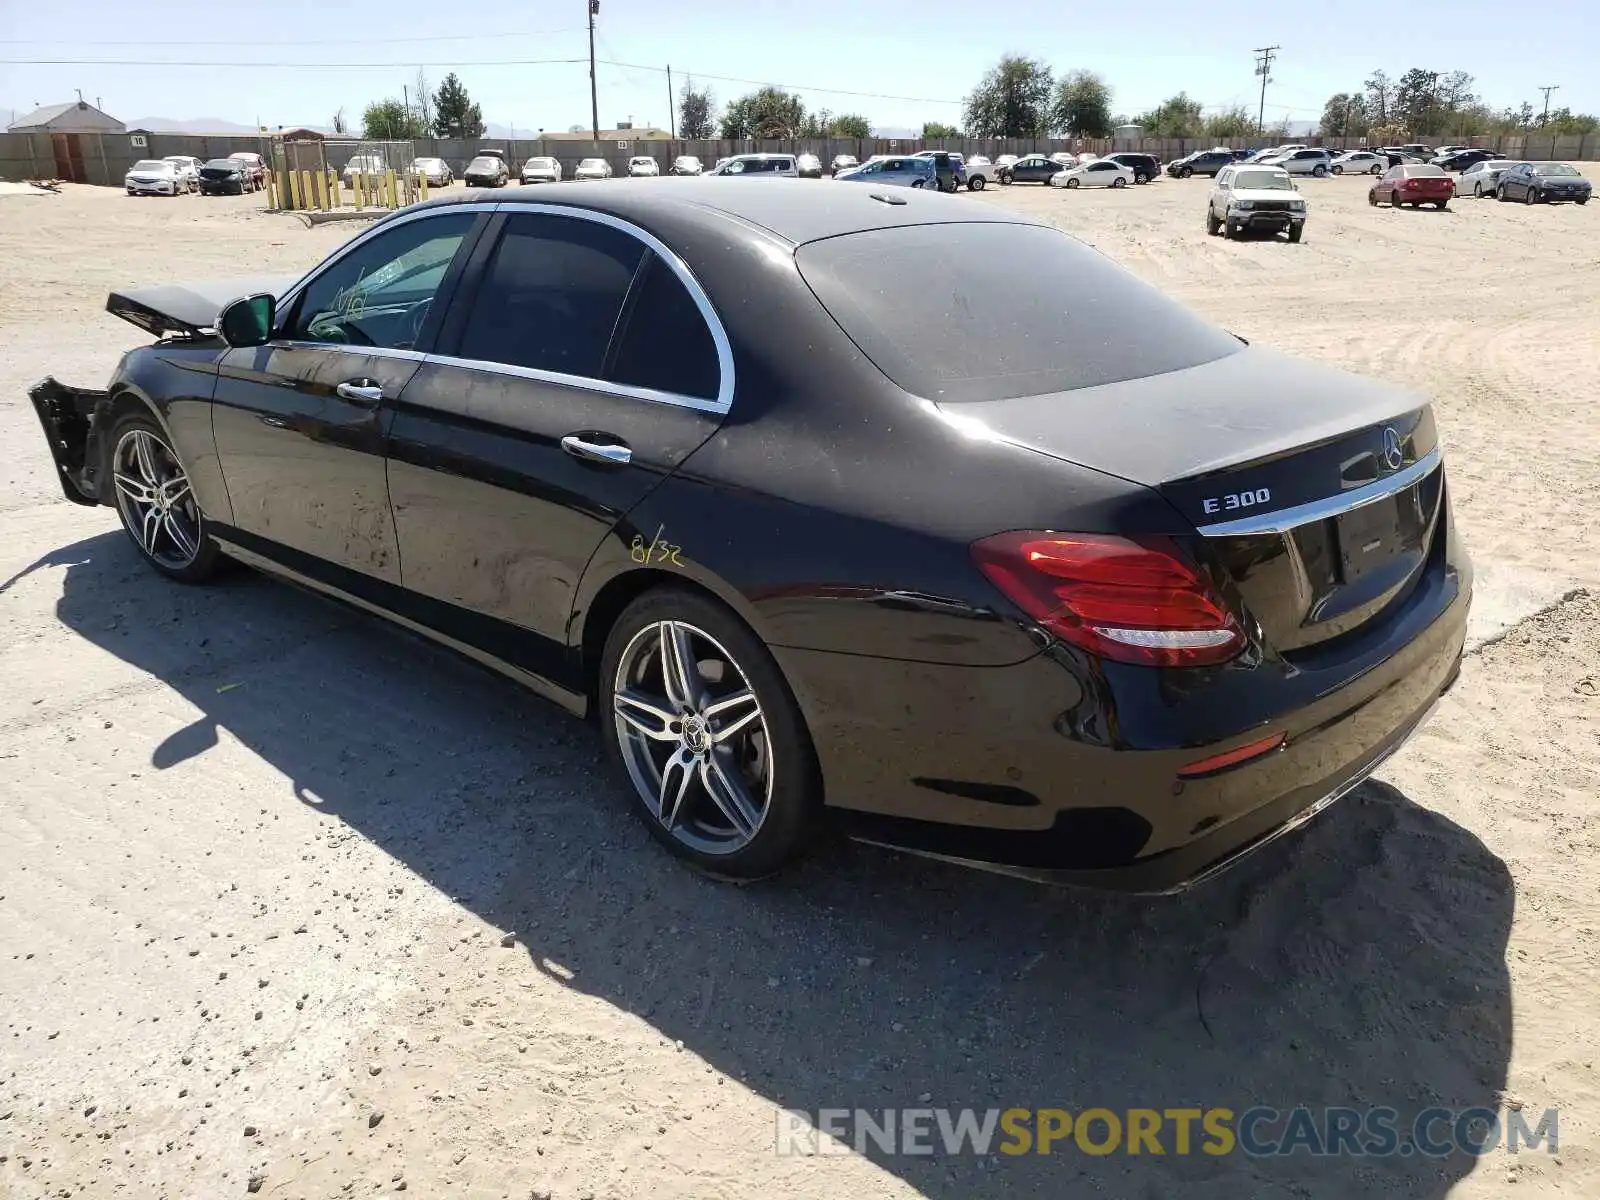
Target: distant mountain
(195,125)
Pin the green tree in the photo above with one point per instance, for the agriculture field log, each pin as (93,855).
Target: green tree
(1178,116)
(455,114)
(695,107)
(1426,101)
(389,120)
(818,124)
(770,112)
(1012,100)
(1230,123)
(1564,122)
(938,131)
(851,125)
(1082,106)
(1345,115)
(1380,97)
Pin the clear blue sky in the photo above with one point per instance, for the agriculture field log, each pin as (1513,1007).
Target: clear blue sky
(925,50)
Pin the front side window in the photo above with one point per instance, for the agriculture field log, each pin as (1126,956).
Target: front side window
(551,294)
(381,292)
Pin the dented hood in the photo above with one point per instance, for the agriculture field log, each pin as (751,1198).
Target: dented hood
(188,308)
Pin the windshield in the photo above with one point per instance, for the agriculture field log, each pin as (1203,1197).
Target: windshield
(224,164)
(539,164)
(1270,181)
(687,160)
(944,312)
(1555,169)
(155,165)
(592,162)
(642,162)
(483,164)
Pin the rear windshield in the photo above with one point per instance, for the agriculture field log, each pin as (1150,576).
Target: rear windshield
(483,164)
(151,165)
(1419,170)
(991,311)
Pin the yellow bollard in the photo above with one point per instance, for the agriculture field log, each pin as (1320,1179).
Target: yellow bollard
(333,189)
(294,191)
(272,190)
(306,193)
(322,191)
(422,187)
(285,201)
(389,188)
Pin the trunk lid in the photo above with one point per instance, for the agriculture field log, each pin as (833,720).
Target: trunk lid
(1317,494)
(189,310)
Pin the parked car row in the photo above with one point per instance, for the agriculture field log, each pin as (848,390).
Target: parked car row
(177,174)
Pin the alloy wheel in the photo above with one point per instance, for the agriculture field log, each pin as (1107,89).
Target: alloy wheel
(693,737)
(155,500)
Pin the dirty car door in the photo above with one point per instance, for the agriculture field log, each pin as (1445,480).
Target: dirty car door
(301,422)
(576,369)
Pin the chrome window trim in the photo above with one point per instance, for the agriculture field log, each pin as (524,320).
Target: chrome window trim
(1286,519)
(720,404)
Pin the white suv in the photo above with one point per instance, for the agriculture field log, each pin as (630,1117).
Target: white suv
(1304,161)
(1255,196)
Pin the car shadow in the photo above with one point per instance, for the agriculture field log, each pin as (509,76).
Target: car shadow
(1358,963)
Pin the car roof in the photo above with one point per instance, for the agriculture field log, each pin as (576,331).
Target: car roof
(795,210)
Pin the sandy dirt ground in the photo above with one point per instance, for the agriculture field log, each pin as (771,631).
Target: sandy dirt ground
(292,903)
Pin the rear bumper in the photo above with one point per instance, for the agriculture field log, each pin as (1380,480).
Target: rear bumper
(1037,770)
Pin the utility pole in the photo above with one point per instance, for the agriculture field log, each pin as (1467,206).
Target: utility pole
(1264,56)
(1547,90)
(405,99)
(594,95)
(672,113)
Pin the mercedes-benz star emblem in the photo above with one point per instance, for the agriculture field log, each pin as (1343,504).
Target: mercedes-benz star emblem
(1393,454)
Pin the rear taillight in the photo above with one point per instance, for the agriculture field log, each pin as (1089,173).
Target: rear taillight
(1132,600)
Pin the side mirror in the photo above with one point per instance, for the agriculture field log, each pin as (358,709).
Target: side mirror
(248,322)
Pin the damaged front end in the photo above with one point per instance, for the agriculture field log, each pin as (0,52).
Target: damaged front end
(73,418)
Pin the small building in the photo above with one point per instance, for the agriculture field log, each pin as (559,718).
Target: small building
(79,116)
(1127,135)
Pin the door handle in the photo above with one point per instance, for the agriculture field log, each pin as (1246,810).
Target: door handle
(361,392)
(614,453)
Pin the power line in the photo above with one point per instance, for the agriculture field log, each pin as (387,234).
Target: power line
(344,41)
(408,66)
(1264,55)
(1547,90)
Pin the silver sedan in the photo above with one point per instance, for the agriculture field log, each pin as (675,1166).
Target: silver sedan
(1480,179)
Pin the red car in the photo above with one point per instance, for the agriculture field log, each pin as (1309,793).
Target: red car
(1415,184)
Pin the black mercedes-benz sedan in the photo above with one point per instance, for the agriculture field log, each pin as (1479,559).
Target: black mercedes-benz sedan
(820,509)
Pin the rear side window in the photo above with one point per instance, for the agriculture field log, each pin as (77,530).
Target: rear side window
(551,294)
(666,344)
(991,311)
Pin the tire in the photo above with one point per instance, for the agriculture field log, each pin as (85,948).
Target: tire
(1141,177)
(1186,173)
(1477,190)
(1230,230)
(1119,181)
(1212,224)
(1072,183)
(1530,196)
(1580,199)
(1442,205)
(1337,170)
(1295,232)
(1319,171)
(916,183)
(975,184)
(158,511)
(1005,180)
(1500,193)
(1372,198)
(767,759)
(1377,169)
